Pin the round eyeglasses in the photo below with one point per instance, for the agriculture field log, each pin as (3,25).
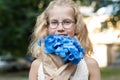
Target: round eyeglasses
(65,24)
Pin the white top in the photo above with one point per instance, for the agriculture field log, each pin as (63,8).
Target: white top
(80,74)
(81,71)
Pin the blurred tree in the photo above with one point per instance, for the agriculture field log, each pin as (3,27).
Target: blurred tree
(17,19)
(84,2)
(113,8)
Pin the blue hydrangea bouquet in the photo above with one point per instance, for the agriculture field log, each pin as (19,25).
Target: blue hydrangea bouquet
(66,47)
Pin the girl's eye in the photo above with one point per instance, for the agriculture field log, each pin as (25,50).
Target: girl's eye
(67,22)
(54,23)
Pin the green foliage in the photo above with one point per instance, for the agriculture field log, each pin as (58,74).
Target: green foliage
(115,15)
(17,19)
(83,2)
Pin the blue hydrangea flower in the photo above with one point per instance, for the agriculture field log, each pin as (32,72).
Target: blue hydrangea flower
(66,47)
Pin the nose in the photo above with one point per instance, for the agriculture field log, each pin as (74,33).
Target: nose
(60,27)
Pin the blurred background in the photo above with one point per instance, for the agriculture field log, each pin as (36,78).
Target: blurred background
(18,17)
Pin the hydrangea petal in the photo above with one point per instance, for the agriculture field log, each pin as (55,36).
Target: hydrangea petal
(64,46)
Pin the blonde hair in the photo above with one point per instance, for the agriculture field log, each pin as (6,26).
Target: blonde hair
(40,30)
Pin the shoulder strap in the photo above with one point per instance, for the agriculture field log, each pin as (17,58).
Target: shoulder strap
(41,75)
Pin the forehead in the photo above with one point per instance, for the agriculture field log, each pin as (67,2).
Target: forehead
(61,12)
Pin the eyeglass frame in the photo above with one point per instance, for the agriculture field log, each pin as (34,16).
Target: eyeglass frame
(63,23)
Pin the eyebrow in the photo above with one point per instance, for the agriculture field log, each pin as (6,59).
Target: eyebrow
(62,20)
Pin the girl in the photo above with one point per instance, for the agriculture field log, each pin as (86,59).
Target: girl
(64,18)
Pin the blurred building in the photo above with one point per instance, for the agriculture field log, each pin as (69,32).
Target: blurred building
(106,43)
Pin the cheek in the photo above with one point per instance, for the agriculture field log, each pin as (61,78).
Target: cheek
(51,31)
(71,32)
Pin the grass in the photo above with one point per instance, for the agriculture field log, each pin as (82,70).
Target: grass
(16,78)
(110,73)
(20,75)
(106,74)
